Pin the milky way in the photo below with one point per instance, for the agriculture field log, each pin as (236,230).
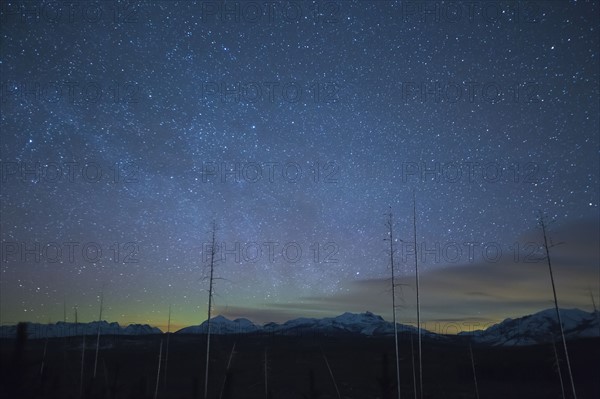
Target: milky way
(128,127)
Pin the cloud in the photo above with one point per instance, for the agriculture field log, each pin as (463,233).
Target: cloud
(478,292)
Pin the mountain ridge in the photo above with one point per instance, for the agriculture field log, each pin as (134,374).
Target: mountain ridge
(537,328)
(68,329)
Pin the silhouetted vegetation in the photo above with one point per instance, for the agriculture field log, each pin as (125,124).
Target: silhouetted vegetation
(363,368)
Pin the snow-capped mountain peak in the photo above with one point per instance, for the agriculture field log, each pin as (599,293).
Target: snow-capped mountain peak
(540,327)
(222,325)
(347,323)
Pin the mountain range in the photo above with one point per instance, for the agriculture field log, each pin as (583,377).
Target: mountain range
(348,323)
(533,329)
(66,329)
(538,328)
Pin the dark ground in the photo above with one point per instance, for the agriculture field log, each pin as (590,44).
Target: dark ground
(363,368)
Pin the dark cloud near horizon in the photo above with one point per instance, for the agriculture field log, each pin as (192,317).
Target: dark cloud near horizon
(477,292)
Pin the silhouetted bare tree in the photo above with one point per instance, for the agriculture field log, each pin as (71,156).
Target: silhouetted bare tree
(390,226)
(547,245)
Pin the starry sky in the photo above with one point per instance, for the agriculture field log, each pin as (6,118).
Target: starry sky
(128,127)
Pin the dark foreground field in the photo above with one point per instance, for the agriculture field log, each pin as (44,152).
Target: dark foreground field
(362,367)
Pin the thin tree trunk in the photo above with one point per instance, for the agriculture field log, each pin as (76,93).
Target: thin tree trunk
(98,335)
(227,370)
(158,372)
(562,333)
(474,373)
(81,372)
(595,311)
(65,330)
(210,293)
(391,238)
(76,324)
(167,349)
(44,357)
(331,374)
(418,298)
(562,385)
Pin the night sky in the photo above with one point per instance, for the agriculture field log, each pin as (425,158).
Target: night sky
(127,128)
